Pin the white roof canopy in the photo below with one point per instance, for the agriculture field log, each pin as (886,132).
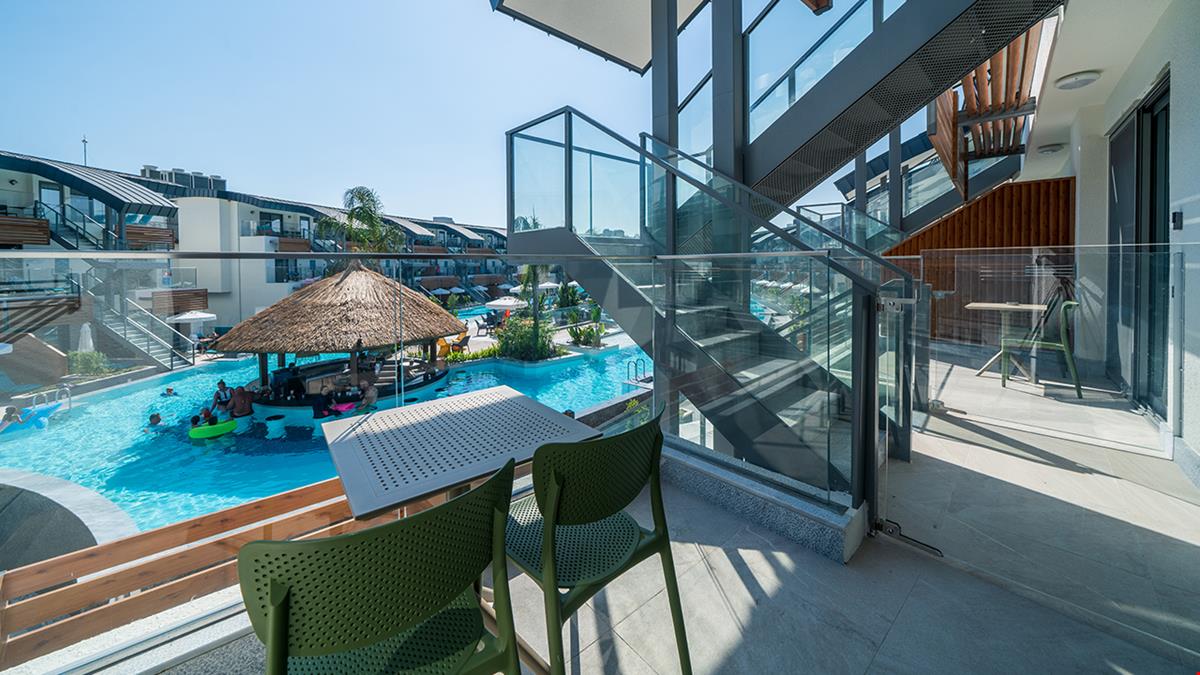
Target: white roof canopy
(618,30)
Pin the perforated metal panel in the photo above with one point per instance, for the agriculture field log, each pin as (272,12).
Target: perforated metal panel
(969,40)
(392,456)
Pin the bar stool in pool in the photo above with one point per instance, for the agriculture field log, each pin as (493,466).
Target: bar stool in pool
(400,597)
(572,532)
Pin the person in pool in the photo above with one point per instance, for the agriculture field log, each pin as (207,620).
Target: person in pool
(155,421)
(222,397)
(242,403)
(195,421)
(206,415)
(170,392)
(11,416)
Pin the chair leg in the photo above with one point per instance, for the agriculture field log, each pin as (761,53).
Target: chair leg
(1074,373)
(1003,367)
(554,626)
(685,659)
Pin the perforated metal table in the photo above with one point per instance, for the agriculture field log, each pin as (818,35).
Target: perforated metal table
(390,457)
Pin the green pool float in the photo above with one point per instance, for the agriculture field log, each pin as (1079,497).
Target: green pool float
(212,430)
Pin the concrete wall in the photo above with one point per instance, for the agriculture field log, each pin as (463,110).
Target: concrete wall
(1173,46)
(1089,159)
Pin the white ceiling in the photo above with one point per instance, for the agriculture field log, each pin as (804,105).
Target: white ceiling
(617,29)
(1099,35)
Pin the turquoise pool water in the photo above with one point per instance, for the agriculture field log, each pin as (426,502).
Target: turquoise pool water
(471,312)
(162,477)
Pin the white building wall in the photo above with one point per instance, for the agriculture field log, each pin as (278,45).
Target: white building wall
(1173,45)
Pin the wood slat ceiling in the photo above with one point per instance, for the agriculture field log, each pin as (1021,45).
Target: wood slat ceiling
(999,91)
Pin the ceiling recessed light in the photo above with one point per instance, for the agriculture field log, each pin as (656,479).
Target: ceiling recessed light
(1050,148)
(1077,80)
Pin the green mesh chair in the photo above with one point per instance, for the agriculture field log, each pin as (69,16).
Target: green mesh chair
(1049,337)
(572,533)
(400,597)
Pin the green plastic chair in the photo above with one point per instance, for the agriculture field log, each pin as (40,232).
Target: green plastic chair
(400,597)
(1060,343)
(575,514)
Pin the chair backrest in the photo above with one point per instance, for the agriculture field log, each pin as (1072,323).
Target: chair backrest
(356,589)
(597,478)
(1063,319)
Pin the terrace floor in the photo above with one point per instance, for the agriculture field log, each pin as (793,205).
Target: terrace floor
(757,603)
(1063,498)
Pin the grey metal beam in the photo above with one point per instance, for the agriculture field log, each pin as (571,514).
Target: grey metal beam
(895,180)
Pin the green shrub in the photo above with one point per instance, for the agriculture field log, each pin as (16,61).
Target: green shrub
(88,363)
(516,340)
(462,357)
(587,336)
(568,295)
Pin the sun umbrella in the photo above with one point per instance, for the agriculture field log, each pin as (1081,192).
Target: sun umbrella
(456,289)
(504,287)
(194,316)
(761,282)
(440,291)
(85,339)
(574,283)
(506,303)
(547,286)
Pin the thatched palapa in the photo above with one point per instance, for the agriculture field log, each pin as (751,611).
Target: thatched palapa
(335,314)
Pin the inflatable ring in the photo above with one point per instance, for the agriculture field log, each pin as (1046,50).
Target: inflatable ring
(212,430)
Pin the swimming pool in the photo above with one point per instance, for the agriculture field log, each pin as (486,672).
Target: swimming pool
(163,477)
(471,312)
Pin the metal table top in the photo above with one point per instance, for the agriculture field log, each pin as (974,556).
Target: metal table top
(1006,306)
(389,457)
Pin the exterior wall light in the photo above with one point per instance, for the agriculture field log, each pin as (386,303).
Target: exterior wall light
(1077,80)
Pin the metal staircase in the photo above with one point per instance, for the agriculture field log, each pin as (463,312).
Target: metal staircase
(805,134)
(138,328)
(73,229)
(781,405)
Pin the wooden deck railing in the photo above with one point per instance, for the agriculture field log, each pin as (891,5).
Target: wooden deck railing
(54,603)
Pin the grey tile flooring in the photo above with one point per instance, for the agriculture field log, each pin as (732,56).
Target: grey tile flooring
(1109,531)
(755,602)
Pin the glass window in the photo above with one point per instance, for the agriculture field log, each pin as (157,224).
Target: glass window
(695,123)
(695,50)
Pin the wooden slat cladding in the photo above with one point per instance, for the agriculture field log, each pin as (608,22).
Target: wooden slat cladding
(946,141)
(16,231)
(1000,86)
(294,245)
(1030,213)
(137,236)
(177,301)
(1021,217)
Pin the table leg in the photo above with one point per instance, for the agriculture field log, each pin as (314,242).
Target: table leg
(990,362)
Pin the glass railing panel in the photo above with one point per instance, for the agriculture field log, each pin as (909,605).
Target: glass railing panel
(539,176)
(890,7)
(1047,339)
(790,50)
(743,323)
(606,183)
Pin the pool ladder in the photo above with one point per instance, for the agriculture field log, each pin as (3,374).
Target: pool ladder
(59,394)
(635,370)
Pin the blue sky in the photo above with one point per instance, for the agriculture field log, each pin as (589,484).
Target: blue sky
(301,99)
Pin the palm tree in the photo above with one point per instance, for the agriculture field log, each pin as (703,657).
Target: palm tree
(529,281)
(363,228)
